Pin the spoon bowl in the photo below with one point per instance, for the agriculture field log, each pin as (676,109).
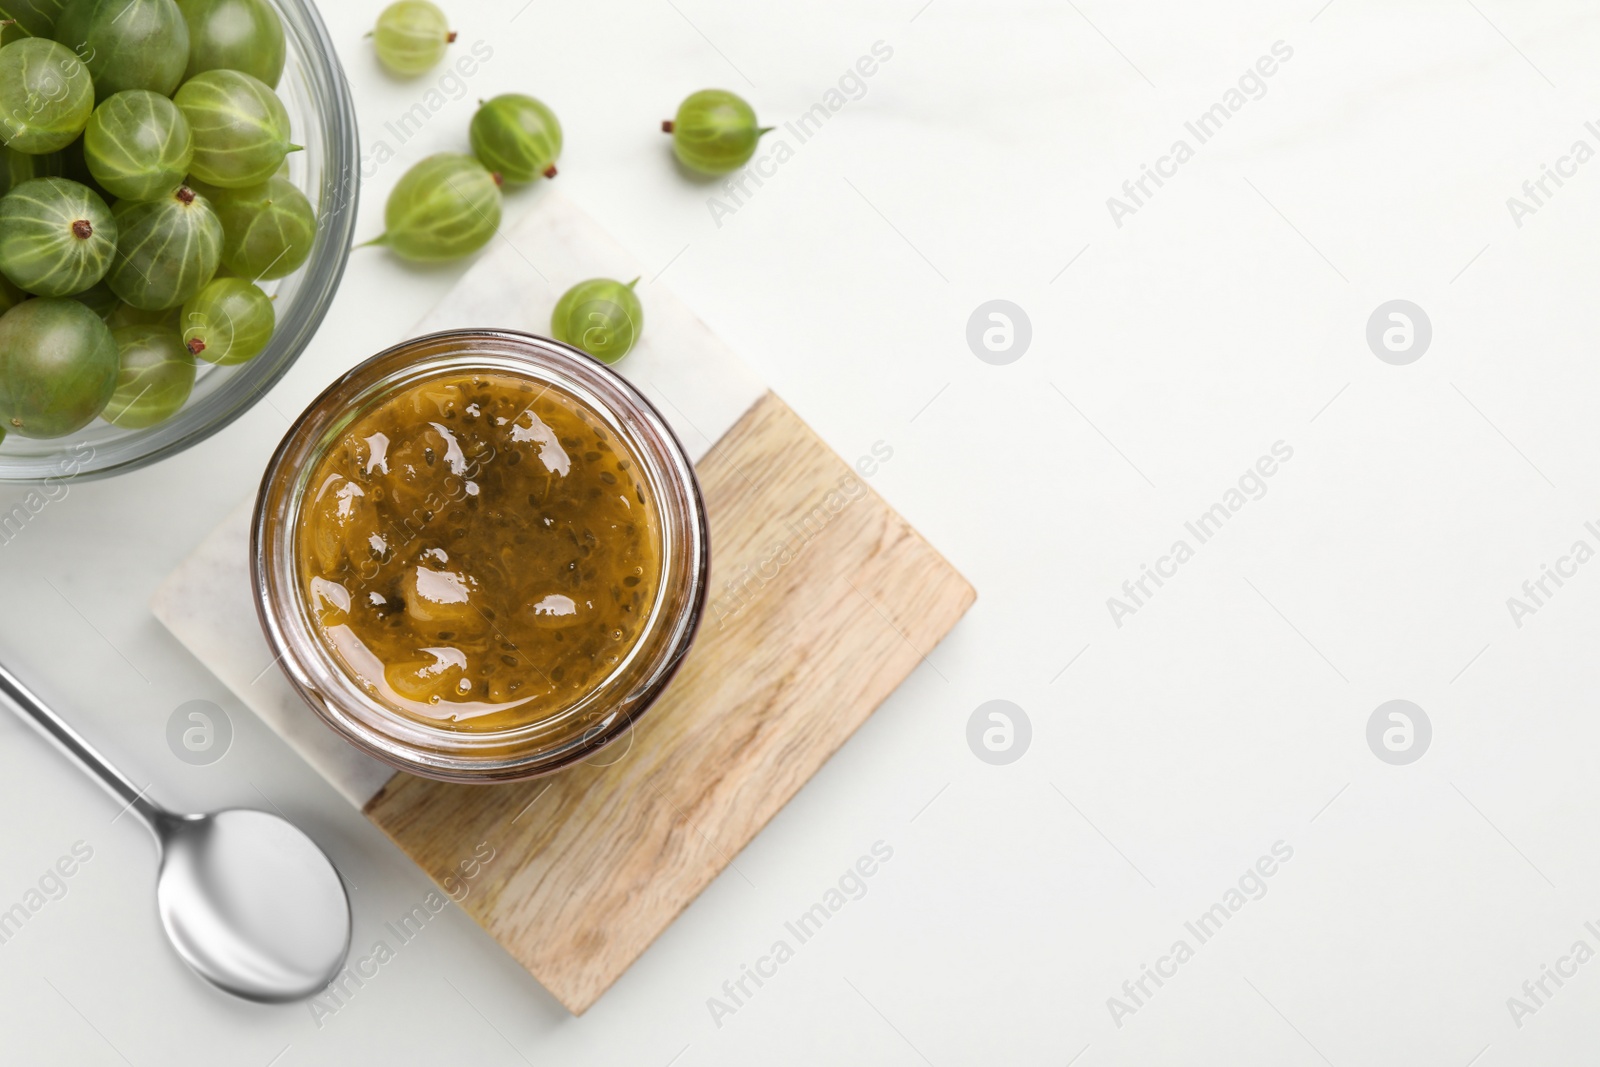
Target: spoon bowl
(251,904)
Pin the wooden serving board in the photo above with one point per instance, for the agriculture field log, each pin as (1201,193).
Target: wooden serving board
(822,600)
(597,860)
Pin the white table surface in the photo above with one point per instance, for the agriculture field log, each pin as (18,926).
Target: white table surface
(1228,714)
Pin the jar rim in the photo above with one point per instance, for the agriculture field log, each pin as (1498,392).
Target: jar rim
(601,714)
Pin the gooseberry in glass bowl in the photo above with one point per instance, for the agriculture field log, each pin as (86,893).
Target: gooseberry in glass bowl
(322,118)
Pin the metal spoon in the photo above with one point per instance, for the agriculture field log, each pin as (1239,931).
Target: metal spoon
(248,900)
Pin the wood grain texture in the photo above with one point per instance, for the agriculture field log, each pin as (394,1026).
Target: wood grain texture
(823,599)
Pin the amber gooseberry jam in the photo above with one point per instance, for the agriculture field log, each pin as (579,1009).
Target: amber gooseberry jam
(479,550)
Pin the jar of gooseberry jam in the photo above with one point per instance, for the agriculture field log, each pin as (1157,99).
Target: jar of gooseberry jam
(480,555)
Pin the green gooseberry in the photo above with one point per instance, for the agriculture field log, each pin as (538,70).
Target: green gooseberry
(445,207)
(56,237)
(72,165)
(10,295)
(715,132)
(127,44)
(167,249)
(137,145)
(155,374)
(240,128)
(128,315)
(58,367)
(244,35)
(411,36)
(18,167)
(99,299)
(517,137)
(46,96)
(228,322)
(600,316)
(267,230)
(32,18)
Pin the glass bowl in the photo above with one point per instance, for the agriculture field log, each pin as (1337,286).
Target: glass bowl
(317,97)
(597,715)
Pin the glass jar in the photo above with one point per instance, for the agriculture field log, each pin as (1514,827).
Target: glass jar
(600,712)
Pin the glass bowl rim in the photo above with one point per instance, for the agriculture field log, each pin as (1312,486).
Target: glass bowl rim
(334,105)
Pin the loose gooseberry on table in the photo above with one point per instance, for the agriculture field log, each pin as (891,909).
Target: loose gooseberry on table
(714,132)
(445,207)
(517,137)
(601,316)
(411,36)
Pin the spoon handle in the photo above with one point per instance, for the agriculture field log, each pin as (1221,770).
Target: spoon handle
(34,711)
